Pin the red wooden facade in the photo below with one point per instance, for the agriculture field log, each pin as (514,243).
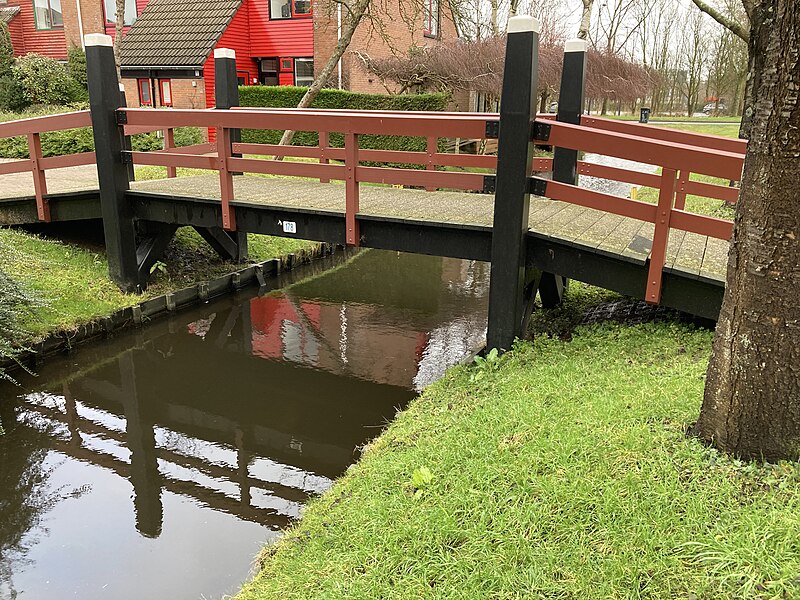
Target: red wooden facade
(26,38)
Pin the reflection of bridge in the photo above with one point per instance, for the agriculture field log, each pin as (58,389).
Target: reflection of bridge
(166,419)
(662,252)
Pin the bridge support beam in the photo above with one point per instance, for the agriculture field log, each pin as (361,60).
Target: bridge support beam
(565,161)
(226,95)
(507,306)
(112,173)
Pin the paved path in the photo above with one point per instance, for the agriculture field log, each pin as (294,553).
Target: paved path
(70,179)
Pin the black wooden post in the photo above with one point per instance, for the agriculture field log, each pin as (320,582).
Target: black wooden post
(226,95)
(570,107)
(126,140)
(565,161)
(512,198)
(112,174)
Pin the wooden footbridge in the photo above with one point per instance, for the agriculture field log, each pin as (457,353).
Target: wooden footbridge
(537,230)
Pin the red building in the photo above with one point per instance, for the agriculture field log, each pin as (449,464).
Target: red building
(167,52)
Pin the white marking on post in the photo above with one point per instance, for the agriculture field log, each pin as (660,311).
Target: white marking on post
(224,53)
(576,45)
(523,24)
(98,39)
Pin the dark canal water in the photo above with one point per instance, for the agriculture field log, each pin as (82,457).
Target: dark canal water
(156,464)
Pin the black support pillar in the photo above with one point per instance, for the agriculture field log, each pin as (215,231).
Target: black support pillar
(570,107)
(565,160)
(226,95)
(118,218)
(512,198)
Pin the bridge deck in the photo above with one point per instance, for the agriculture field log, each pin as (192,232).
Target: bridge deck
(689,253)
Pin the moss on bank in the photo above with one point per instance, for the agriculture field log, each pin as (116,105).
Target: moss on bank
(561,470)
(73,279)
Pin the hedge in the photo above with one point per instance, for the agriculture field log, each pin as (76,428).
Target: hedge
(289,97)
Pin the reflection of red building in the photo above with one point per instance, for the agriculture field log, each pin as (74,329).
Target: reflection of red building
(335,337)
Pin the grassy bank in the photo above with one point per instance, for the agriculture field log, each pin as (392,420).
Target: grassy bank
(72,277)
(561,470)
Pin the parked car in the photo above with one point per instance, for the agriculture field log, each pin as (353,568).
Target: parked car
(713,106)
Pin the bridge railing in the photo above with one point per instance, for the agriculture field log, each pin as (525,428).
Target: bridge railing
(36,163)
(676,157)
(350,169)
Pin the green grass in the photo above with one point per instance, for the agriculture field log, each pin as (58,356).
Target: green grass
(656,120)
(560,470)
(731,130)
(73,278)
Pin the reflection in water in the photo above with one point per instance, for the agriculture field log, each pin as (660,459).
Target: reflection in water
(216,426)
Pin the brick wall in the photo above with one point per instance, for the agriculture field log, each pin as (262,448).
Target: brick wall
(184,94)
(92,18)
(398,28)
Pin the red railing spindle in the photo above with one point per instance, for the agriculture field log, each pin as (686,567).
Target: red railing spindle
(169,143)
(324,145)
(225,178)
(433,147)
(680,195)
(351,188)
(39,179)
(658,252)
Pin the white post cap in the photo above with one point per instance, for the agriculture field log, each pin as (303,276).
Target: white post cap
(121,87)
(523,24)
(224,53)
(98,39)
(575,45)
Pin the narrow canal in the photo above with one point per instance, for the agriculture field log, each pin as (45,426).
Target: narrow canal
(157,464)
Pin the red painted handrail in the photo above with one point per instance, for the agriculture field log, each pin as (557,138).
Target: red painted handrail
(32,129)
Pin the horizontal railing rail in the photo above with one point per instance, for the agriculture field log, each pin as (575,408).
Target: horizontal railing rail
(36,164)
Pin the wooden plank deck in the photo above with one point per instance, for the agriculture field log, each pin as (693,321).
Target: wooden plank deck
(691,254)
(688,254)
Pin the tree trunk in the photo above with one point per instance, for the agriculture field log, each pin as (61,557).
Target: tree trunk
(586,18)
(119,23)
(355,15)
(751,406)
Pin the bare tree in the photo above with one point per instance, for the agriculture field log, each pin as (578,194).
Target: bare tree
(119,24)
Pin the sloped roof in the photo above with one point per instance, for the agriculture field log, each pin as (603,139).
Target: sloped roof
(176,33)
(7,13)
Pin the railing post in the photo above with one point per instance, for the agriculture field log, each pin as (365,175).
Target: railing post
(126,139)
(226,96)
(225,178)
(169,143)
(512,198)
(658,252)
(680,195)
(433,147)
(112,174)
(351,188)
(39,180)
(226,86)
(570,107)
(324,144)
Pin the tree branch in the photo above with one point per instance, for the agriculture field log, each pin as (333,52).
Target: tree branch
(734,27)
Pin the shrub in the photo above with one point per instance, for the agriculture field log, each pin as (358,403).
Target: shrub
(76,65)
(6,50)
(44,80)
(288,97)
(15,301)
(12,94)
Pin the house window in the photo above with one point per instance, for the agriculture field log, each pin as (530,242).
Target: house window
(431,18)
(269,71)
(165,85)
(47,14)
(303,71)
(145,97)
(111,12)
(288,9)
